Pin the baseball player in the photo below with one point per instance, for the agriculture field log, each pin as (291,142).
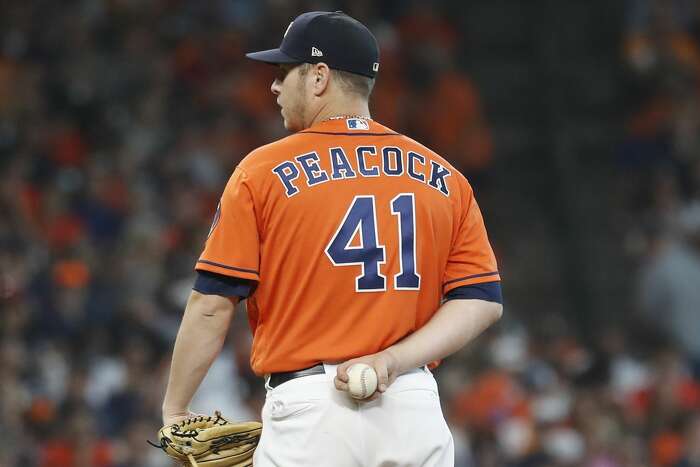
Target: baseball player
(351,243)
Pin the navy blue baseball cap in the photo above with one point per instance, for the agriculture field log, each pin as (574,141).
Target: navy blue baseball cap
(334,38)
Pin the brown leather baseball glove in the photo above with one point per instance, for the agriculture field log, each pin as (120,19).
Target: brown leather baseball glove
(210,441)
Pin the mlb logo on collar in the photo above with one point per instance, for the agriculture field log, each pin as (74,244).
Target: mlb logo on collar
(357,124)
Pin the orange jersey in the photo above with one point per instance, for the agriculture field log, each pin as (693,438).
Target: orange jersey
(353,233)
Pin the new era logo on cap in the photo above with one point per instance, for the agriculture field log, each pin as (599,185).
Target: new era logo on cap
(315,52)
(357,124)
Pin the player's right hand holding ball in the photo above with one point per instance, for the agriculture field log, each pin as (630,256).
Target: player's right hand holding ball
(355,375)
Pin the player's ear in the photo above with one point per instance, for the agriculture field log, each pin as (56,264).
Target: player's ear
(320,75)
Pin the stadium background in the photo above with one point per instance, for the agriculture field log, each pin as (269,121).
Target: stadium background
(578,123)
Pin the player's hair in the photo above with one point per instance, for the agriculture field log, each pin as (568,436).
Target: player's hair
(351,83)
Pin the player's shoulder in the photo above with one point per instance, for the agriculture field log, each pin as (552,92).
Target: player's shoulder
(268,155)
(262,154)
(410,144)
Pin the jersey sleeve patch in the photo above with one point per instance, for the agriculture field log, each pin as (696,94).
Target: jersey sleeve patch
(489,291)
(210,283)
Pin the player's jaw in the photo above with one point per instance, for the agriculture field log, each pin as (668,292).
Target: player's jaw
(292,109)
(290,91)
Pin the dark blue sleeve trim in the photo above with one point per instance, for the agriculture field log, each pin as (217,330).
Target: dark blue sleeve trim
(253,271)
(211,283)
(489,291)
(483,274)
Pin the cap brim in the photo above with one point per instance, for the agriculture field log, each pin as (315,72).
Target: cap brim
(272,56)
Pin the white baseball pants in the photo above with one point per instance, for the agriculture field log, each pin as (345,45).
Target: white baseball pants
(307,422)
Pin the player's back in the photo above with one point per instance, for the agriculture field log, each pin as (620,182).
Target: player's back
(360,231)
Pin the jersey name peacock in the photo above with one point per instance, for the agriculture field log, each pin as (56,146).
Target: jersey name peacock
(341,227)
(367,161)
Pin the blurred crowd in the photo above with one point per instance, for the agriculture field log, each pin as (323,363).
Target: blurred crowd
(660,157)
(120,122)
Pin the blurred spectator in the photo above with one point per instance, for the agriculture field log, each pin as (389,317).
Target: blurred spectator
(691,451)
(659,34)
(669,288)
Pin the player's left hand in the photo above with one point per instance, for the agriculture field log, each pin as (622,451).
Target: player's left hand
(209,440)
(385,364)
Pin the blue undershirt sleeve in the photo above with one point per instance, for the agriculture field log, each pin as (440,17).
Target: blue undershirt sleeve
(489,291)
(211,283)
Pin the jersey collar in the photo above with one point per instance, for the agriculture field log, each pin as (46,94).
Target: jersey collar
(349,126)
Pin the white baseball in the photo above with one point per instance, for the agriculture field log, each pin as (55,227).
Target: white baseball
(362,380)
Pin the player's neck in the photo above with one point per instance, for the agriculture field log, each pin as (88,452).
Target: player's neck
(346,108)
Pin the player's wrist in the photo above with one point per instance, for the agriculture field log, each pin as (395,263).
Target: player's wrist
(407,357)
(169,411)
(394,357)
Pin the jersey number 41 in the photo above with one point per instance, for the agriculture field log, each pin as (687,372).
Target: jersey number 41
(361,216)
